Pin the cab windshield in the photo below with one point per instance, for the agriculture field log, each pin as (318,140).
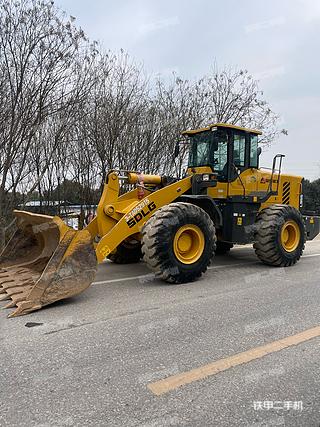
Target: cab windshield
(209,149)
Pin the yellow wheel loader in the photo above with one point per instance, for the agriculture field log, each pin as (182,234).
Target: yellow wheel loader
(176,225)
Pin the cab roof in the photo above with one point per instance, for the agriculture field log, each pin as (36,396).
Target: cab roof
(221,125)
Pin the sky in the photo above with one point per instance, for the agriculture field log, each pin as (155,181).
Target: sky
(277,41)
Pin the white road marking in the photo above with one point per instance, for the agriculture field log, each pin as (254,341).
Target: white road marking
(122,279)
(152,276)
(238,264)
(310,255)
(213,267)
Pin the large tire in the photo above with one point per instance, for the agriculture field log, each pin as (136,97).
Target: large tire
(279,235)
(223,247)
(178,242)
(126,253)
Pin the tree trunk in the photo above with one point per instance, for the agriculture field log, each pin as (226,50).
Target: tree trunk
(2,234)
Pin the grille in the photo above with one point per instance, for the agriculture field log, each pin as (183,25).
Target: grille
(286,193)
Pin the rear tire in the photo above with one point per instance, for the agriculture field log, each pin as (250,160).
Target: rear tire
(279,236)
(223,247)
(126,253)
(178,242)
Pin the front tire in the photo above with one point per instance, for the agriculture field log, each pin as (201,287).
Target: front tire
(178,242)
(279,236)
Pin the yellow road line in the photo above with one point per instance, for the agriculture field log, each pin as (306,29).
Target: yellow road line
(175,381)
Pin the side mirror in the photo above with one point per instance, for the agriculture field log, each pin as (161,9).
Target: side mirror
(176,149)
(259,151)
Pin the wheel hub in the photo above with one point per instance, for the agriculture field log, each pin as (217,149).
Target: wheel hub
(188,243)
(290,236)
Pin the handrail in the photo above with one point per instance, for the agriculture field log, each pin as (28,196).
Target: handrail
(277,156)
(270,191)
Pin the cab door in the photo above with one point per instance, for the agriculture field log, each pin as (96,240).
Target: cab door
(242,161)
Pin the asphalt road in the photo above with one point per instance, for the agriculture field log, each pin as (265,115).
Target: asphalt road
(90,360)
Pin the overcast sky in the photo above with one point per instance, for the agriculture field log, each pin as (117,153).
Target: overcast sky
(278,41)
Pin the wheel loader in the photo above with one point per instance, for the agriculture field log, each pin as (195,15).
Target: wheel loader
(176,225)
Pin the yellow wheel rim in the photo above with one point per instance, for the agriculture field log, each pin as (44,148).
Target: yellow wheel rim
(290,236)
(188,244)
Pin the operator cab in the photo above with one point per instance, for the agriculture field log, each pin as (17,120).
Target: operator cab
(226,149)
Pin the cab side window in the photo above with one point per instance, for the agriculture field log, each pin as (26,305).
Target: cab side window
(239,149)
(254,151)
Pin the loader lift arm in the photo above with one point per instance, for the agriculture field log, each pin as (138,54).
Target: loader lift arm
(117,218)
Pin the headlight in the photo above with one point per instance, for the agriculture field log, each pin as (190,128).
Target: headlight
(206,177)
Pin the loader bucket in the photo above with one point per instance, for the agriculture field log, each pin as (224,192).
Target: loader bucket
(45,261)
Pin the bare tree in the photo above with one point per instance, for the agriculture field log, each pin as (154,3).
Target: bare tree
(69,112)
(39,59)
(233,96)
